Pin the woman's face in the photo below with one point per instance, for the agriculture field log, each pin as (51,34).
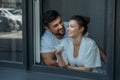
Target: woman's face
(74,29)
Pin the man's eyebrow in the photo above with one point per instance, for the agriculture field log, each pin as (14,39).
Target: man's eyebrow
(52,25)
(55,25)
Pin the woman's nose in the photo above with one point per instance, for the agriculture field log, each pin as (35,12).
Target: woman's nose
(68,28)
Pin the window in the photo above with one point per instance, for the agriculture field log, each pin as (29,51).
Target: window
(98,27)
(22,48)
(11,33)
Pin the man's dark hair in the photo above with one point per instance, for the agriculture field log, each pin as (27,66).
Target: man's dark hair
(49,16)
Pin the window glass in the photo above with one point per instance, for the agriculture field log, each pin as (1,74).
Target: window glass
(96,27)
(11,30)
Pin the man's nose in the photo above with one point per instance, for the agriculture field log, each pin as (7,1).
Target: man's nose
(60,26)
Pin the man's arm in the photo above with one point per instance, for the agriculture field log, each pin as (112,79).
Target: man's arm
(48,59)
(102,54)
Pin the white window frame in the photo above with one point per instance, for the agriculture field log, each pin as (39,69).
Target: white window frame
(36,18)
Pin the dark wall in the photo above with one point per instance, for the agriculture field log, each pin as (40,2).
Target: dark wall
(95,9)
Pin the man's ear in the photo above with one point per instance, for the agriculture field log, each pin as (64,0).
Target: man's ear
(47,28)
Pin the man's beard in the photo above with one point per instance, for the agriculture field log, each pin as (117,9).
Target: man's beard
(59,34)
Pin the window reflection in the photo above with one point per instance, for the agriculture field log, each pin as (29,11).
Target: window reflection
(11,30)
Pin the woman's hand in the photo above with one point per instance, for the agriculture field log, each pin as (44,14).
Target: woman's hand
(60,60)
(58,52)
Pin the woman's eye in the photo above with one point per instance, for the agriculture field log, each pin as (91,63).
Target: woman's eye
(71,26)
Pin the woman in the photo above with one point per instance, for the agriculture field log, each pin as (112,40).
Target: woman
(80,52)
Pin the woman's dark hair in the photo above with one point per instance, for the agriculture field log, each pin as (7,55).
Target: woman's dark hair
(49,16)
(82,21)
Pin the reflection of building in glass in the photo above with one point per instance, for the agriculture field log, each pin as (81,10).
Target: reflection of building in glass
(10,3)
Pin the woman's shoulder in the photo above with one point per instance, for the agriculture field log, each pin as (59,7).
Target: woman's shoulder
(89,41)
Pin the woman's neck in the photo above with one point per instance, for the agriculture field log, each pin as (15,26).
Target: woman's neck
(76,43)
(77,40)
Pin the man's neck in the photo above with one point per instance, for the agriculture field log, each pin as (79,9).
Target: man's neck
(59,37)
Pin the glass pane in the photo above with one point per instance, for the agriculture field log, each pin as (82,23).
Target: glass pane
(53,36)
(11,30)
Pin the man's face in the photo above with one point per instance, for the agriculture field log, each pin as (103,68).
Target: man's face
(56,27)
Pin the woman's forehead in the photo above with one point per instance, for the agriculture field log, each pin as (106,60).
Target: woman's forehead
(72,22)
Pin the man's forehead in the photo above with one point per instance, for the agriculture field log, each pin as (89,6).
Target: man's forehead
(56,21)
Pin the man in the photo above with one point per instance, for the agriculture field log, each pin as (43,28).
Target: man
(56,30)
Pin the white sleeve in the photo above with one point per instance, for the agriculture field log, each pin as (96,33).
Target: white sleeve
(45,46)
(93,57)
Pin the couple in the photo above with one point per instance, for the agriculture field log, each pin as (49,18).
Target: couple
(80,52)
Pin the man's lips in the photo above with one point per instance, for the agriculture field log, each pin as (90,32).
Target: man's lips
(61,30)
